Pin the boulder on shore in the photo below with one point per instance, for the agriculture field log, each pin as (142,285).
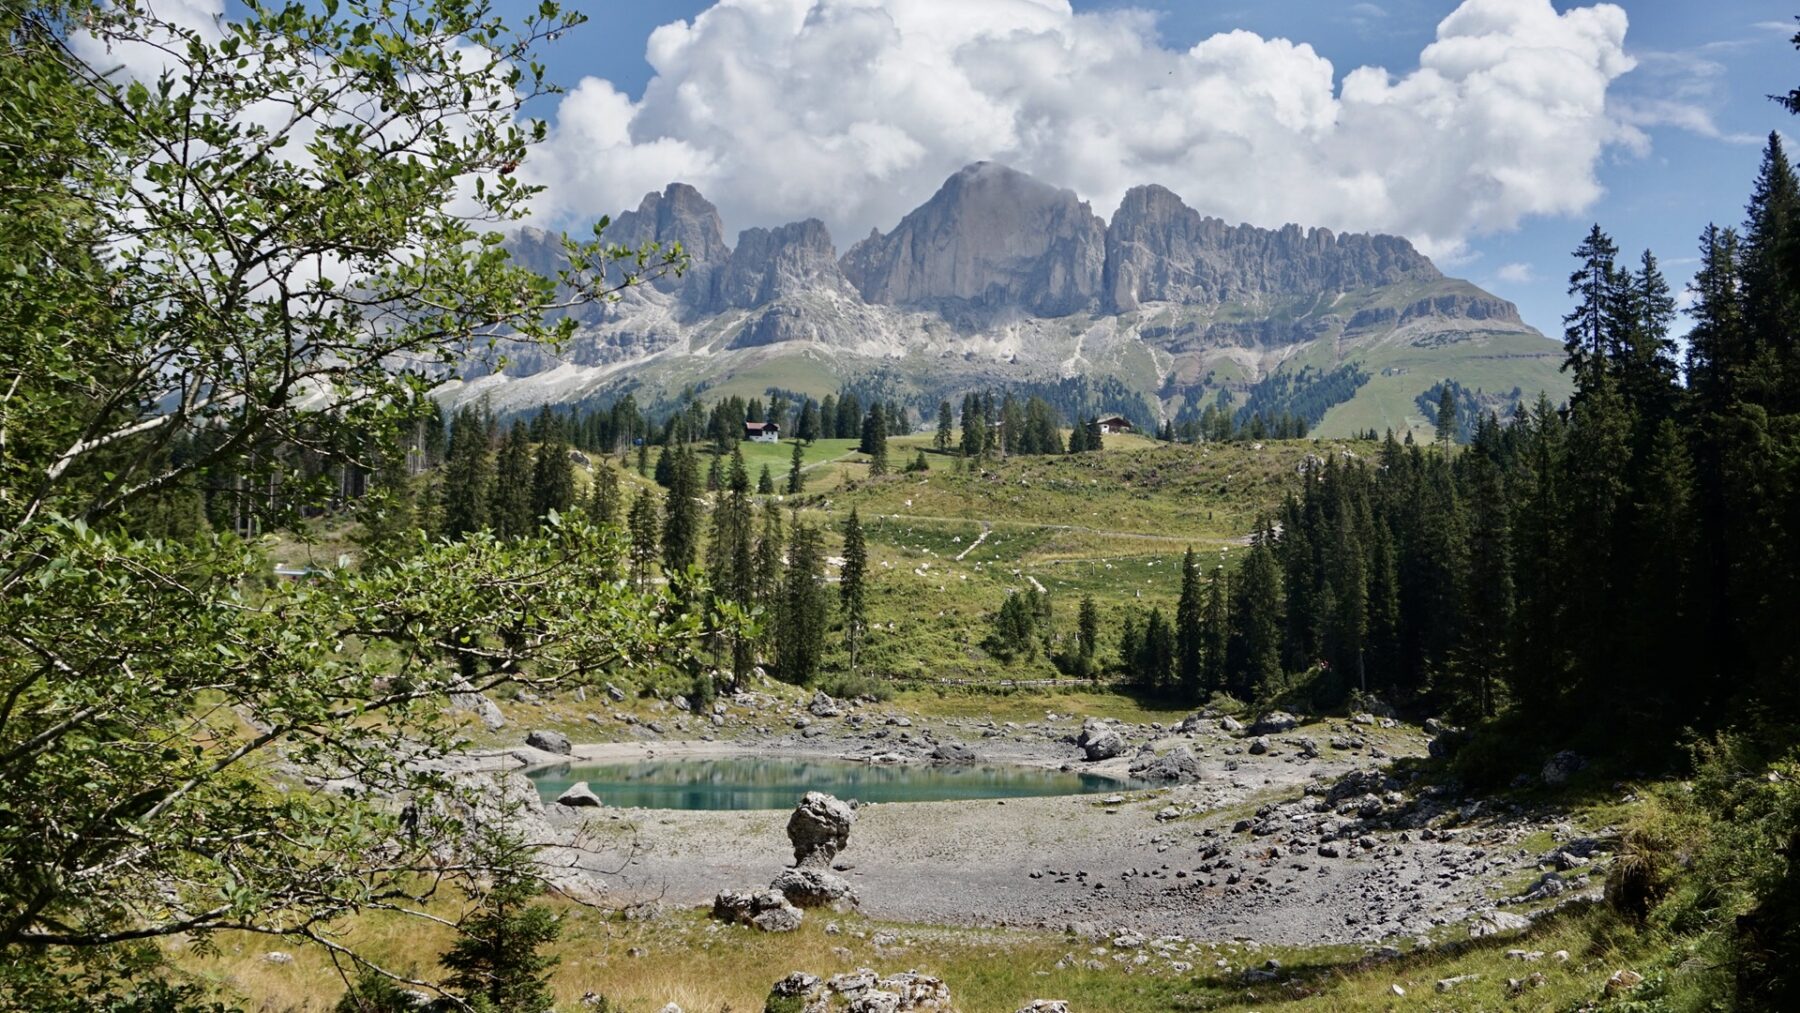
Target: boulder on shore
(953,752)
(1179,764)
(579,795)
(1274,723)
(819,829)
(1099,742)
(549,742)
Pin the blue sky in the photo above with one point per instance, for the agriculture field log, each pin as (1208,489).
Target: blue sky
(1695,98)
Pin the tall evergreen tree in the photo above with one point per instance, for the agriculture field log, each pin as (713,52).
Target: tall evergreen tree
(800,644)
(946,423)
(765,482)
(468,474)
(796,479)
(510,505)
(681,515)
(645,524)
(1189,634)
(552,476)
(1590,329)
(851,590)
(1253,646)
(1214,634)
(603,494)
(1087,626)
(731,565)
(874,440)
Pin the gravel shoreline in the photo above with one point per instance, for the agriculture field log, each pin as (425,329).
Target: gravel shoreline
(1249,847)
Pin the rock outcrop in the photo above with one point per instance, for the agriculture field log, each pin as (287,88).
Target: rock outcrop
(767,910)
(549,742)
(579,796)
(860,991)
(814,887)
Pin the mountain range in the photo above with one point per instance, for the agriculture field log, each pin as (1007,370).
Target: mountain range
(1001,279)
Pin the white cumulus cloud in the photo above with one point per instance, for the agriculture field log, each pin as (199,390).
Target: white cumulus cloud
(1516,274)
(854,111)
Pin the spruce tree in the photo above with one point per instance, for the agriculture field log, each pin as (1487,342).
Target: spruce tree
(1590,329)
(851,592)
(796,480)
(1253,647)
(468,475)
(946,423)
(874,440)
(510,505)
(552,477)
(765,482)
(603,494)
(771,553)
(495,963)
(681,515)
(800,644)
(1214,632)
(730,563)
(1087,626)
(1189,651)
(645,527)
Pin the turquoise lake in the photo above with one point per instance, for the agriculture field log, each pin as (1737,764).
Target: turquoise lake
(778,783)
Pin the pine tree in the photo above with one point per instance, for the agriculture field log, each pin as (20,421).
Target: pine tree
(809,423)
(730,562)
(800,645)
(1487,634)
(645,524)
(874,441)
(945,427)
(468,474)
(510,505)
(1214,633)
(771,553)
(552,477)
(828,416)
(1253,647)
(1189,650)
(851,590)
(765,482)
(1087,626)
(495,963)
(681,516)
(1158,654)
(603,495)
(974,428)
(1591,328)
(796,480)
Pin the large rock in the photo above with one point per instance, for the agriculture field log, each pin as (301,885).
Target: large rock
(767,910)
(819,829)
(1045,1006)
(1274,723)
(823,706)
(550,742)
(1494,923)
(579,795)
(952,752)
(814,887)
(1098,741)
(1179,764)
(1564,765)
(486,710)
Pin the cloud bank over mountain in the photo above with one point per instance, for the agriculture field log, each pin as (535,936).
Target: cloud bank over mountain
(845,110)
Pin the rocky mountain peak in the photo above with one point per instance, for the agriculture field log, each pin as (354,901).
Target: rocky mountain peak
(1160,250)
(770,264)
(991,238)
